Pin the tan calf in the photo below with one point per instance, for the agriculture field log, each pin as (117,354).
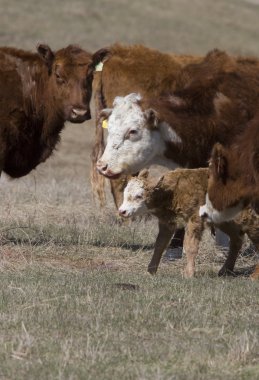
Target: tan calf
(175,200)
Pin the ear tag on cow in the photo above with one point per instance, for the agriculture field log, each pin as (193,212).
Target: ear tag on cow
(99,66)
(105,124)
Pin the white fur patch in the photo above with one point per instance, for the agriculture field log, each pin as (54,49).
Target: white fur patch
(169,134)
(217,217)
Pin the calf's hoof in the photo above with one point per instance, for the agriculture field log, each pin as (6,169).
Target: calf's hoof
(188,273)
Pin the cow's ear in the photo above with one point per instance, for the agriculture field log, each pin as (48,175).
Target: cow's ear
(143,174)
(99,56)
(46,54)
(118,100)
(105,113)
(151,117)
(219,162)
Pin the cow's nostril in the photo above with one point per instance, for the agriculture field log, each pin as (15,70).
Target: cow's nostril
(102,167)
(78,112)
(122,212)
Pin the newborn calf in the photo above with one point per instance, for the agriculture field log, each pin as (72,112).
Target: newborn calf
(175,200)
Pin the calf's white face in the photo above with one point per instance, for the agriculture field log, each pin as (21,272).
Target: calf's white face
(132,140)
(133,199)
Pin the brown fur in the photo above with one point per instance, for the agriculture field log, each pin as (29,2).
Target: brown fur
(234,170)
(37,94)
(213,98)
(175,200)
(130,69)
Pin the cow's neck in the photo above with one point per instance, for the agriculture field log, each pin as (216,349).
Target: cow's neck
(40,99)
(165,136)
(184,148)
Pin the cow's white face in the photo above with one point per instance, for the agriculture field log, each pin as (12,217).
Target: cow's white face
(133,141)
(133,199)
(217,217)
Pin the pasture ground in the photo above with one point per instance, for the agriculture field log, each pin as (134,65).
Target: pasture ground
(75,299)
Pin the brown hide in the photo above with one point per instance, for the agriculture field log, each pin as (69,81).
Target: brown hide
(38,93)
(234,170)
(211,99)
(130,69)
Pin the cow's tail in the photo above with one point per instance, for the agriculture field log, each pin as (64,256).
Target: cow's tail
(97,180)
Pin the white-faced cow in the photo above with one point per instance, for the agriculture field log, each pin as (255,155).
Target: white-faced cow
(197,82)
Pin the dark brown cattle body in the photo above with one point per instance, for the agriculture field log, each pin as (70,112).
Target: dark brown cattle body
(234,170)
(38,93)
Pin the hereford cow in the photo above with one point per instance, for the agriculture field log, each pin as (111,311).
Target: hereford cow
(150,73)
(175,200)
(233,176)
(181,129)
(38,93)
(130,69)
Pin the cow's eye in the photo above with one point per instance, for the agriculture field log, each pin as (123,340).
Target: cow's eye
(132,133)
(138,196)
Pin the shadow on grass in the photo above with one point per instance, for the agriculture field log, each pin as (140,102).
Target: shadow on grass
(237,273)
(43,240)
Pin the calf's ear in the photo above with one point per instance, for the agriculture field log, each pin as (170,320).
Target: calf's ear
(46,54)
(219,162)
(143,174)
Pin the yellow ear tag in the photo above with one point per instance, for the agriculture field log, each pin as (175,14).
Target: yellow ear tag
(105,124)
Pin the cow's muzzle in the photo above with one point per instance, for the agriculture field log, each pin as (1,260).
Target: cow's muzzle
(79,115)
(103,169)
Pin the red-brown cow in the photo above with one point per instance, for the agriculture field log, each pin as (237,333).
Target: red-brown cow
(38,93)
(233,176)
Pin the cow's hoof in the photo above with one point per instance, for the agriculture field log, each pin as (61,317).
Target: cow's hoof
(225,272)
(152,270)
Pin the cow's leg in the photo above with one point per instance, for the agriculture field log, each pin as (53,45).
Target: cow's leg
(163,238)
(236,239)
(254,237)
(192,238)
(175,247)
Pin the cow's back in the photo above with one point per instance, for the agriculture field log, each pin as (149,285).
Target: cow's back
(141,70)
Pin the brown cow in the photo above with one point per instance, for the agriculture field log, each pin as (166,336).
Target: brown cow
(234,175)
(38,93)
(175,200)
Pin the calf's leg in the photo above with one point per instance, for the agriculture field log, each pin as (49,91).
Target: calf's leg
(163,238)
(192,238)
(255,274)
(175,247)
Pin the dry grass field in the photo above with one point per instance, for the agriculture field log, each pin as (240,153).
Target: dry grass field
(75,299)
